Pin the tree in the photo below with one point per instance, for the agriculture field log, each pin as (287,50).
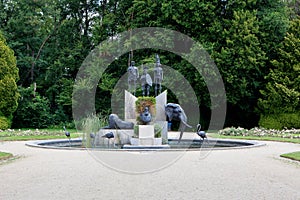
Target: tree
(241,61)
(281,97)
(52,38)
(232,38)
(8,88)
(33,110)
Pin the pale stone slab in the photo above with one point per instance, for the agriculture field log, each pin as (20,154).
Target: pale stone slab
(134,141)
(130,114)
(121,136)
(147,147)
(146,141)
(146,131)
(157,141)
(161,101)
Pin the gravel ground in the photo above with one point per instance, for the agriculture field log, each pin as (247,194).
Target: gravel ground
(252,173)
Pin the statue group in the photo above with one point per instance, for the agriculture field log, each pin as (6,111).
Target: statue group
(145,79)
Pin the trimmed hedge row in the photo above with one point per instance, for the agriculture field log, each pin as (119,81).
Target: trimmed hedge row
(280,121)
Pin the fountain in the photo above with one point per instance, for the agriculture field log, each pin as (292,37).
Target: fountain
(145,124)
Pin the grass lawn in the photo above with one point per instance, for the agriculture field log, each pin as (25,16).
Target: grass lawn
(4,155)
(36,134)
(293,156)
(264,138)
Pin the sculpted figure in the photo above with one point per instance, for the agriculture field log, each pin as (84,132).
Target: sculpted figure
(158,76)
(114,122)
(133,75)
(146,82)
(175,112)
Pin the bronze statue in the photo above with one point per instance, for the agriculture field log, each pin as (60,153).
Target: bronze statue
(114,122)
(175,112)
(158,76)
(133,75)
(146,82)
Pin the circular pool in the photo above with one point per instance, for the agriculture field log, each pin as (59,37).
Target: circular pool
(173,145)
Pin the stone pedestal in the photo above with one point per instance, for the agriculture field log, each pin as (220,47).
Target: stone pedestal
(146,138)
(121,137)
(146,131)
(146,141)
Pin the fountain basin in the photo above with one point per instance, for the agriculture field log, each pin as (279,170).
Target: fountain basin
(185,144)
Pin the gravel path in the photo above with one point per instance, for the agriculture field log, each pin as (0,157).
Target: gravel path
(253,173)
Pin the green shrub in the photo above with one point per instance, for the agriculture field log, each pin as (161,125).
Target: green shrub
(33,111)
(280,121)
(270,122)
(4,123)
(157,130)
(136,131)
(290,120)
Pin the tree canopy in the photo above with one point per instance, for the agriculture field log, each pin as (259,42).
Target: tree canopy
(248,41)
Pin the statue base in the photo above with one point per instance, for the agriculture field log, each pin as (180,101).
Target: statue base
(147,147)
(146,133)
(121,136)
(145,141)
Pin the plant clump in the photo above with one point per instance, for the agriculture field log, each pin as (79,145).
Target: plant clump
(261,132)
(143,102)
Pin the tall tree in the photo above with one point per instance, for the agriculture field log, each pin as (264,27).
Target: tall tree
(242,62)
(52,38)
(281,97)
(8,88)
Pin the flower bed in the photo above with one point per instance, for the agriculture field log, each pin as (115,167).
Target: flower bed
(30,132)
(261,132)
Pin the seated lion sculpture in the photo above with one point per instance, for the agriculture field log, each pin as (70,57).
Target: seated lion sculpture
(114,122)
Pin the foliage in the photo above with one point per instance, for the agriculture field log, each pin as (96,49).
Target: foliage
(274,22)
(238,42)
(33,110)
(4,123)
(35,134)
(293,155)
(280,121)
(52,38)
(136,131)
(4,155)
(157,130)
(143,102)
(92,124)
(8,88)
(260,132)
(241,61)
(281,97)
